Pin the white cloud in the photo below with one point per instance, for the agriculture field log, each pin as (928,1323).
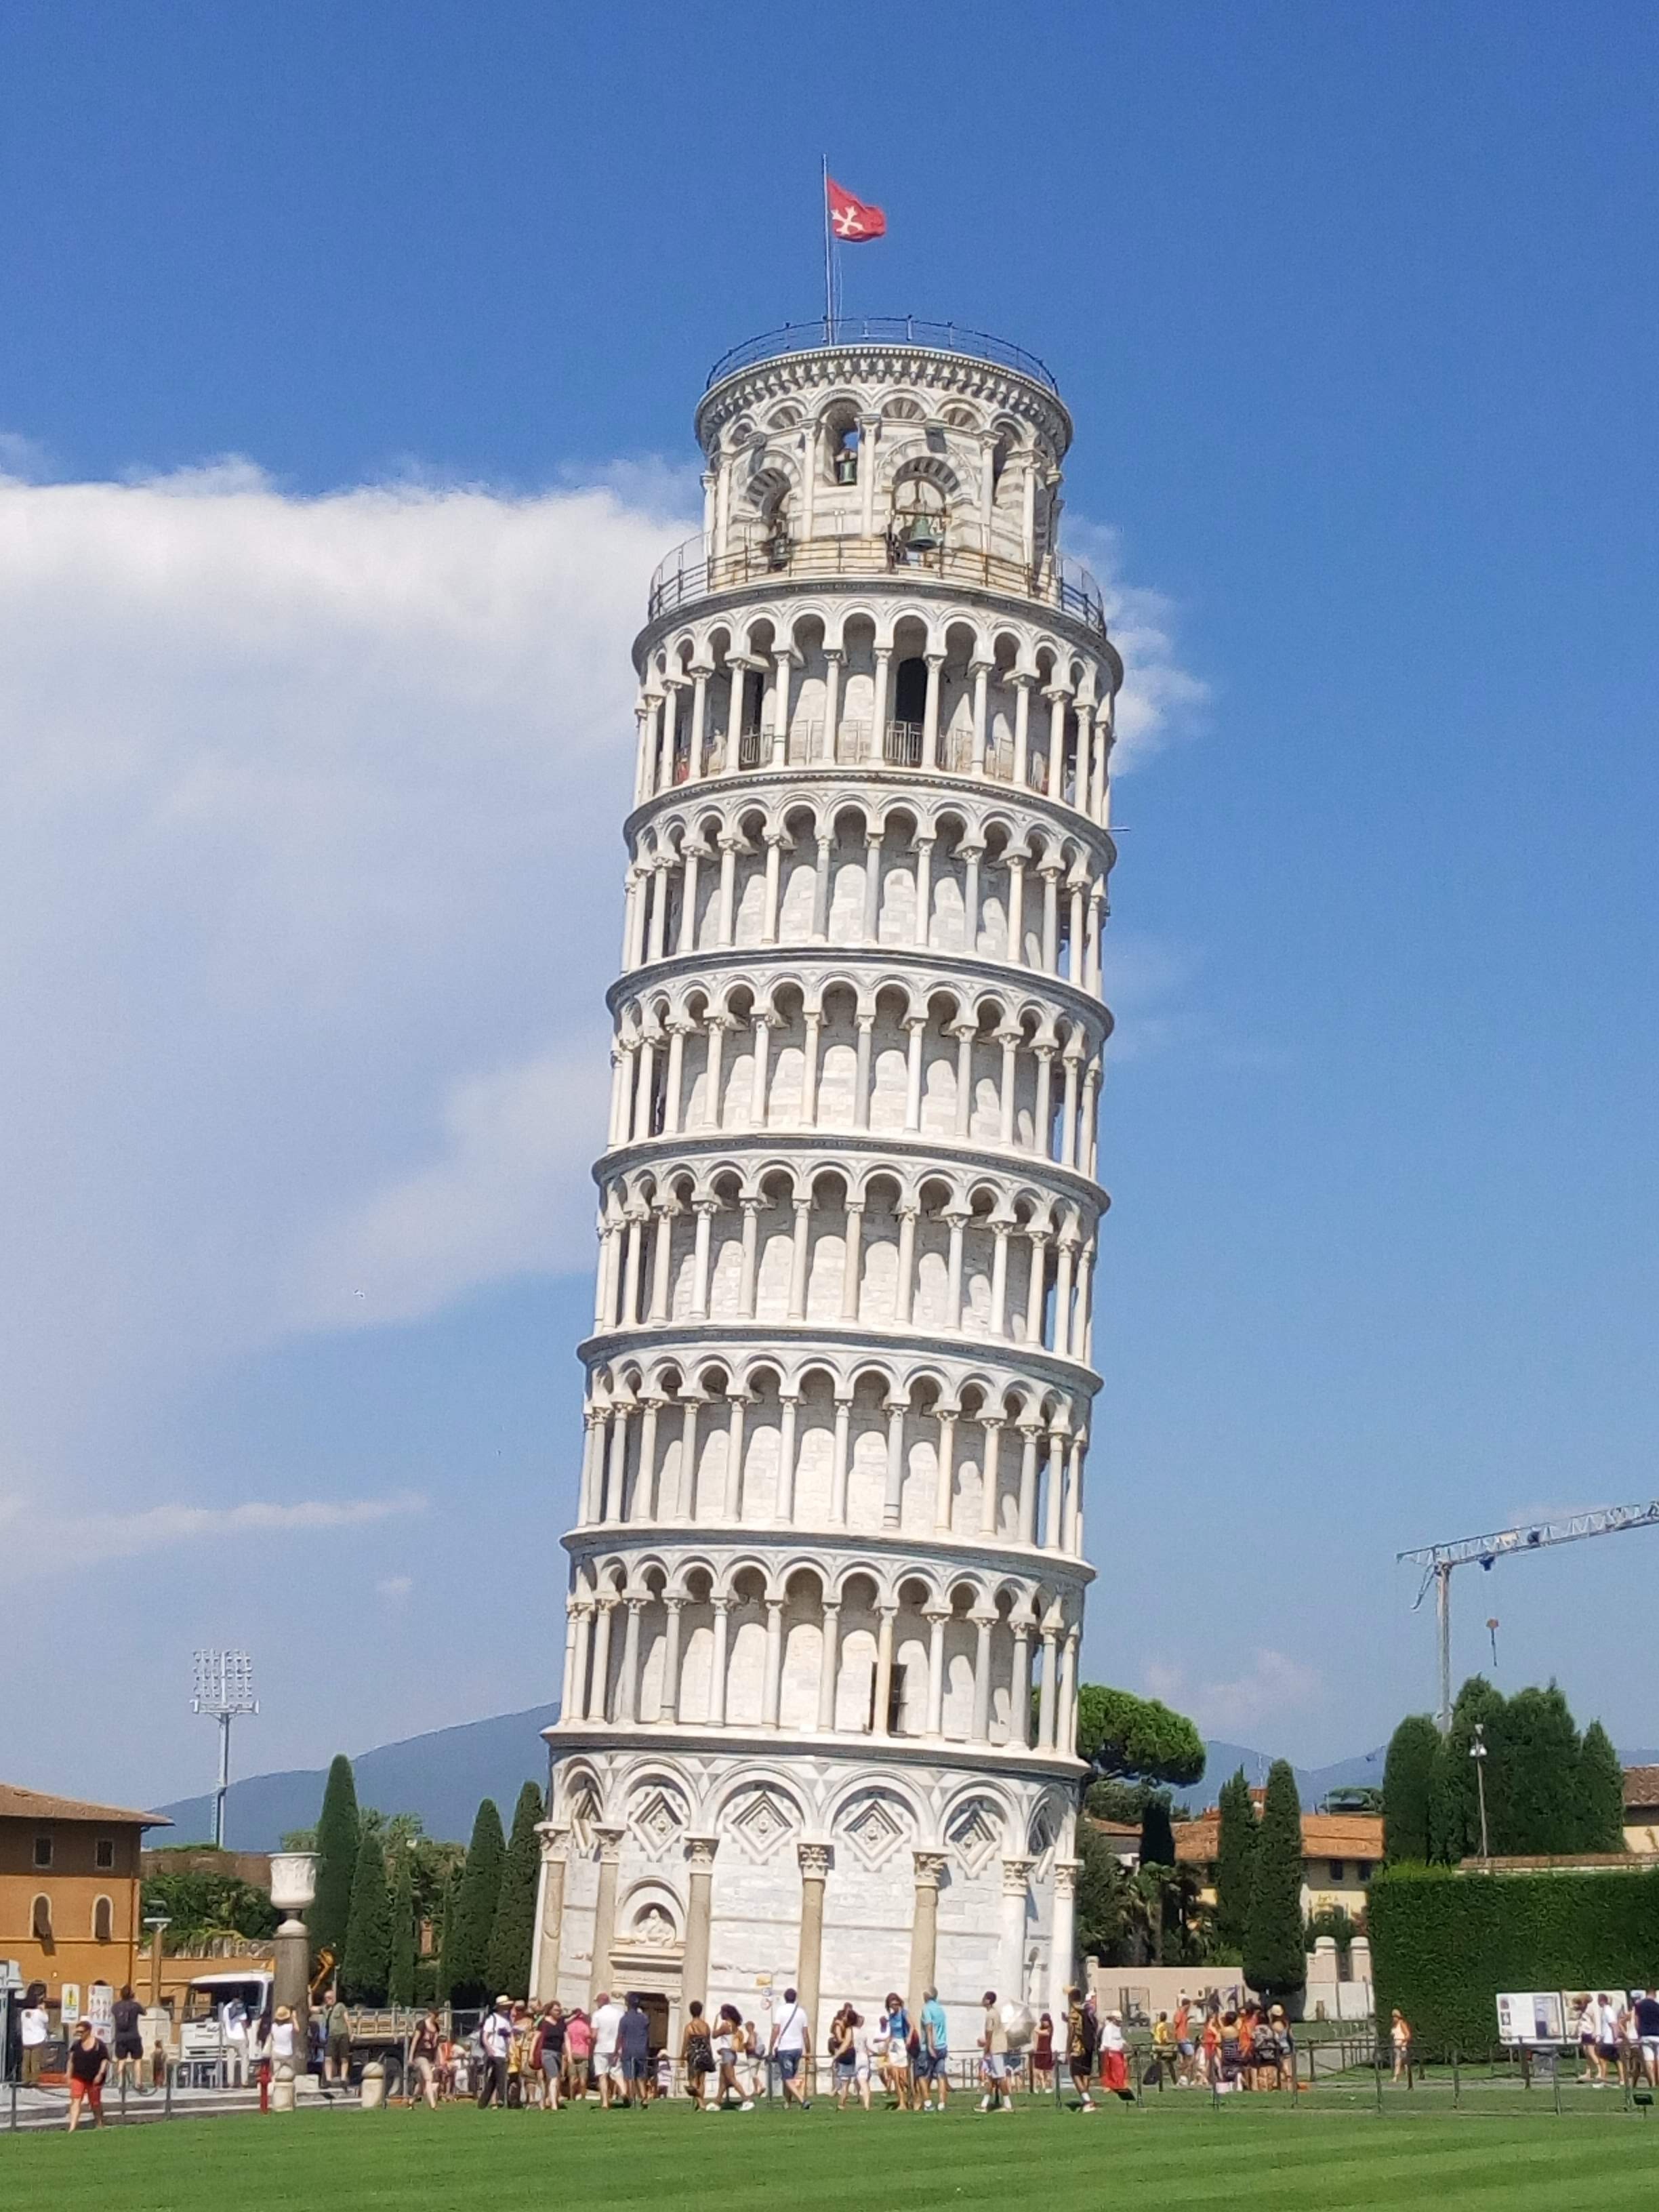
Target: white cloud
(1160,699)
(395,1588)
(1271,1686)
(42,1541)
(310,885)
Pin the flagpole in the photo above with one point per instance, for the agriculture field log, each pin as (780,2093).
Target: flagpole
(828,266)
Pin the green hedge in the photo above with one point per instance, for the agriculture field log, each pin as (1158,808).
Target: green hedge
(1444,1943)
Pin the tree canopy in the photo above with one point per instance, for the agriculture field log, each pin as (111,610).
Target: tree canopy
(513,1931)
(366,1968)
(1124,1736)
(1234,1863)
(472,1914)
(1408,1788)
(1275,1963)
(338,1839)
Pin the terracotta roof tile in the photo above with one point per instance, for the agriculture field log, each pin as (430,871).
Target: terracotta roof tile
(20,1804)
(1641,1785)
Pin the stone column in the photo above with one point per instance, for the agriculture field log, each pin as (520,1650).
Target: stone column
(924,1927)
(1062,1942)
(1011,1953)
(936,1616)
(550,1911)
(816,1861)
(884,1670)
(829,1668)
(983,1624)
(694,1971)
(717,1677)
(670,1707)
(604,1913)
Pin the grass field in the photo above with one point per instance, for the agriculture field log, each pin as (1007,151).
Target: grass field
(1177,2155)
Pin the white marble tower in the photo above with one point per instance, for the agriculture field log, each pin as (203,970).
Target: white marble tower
(830,1541)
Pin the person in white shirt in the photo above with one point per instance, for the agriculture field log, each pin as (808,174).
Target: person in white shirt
(35,2028)
(495,2041)
(607,2028)
(233,2033)
(790,2041)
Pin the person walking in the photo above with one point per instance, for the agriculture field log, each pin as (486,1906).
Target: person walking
(634,2050)
(259,2049)
(126,2044)
(1400,2038)
(337,2041)
(550,2053)
(896,2024)
(495,2042)
(993,2058)
(284,2040)
(35,2028)
(232,2035)
(88,2062)
(577,2054)
(696,2054)
(1115,2059)
(791,2041)
(607,2026)
(728,2040)
(852,2056)
(423,2061)
(934,2060)
(1646,2009)
(1080,2035)
(1042,2055)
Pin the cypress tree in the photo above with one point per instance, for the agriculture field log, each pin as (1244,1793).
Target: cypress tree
(514,1930)
(1103,1893)
(1535,1748)
(337,1861)
(1454,1797)
(1157,1831)
(472,1916)
(1600,1793)
(1407,1786)
(1275,1963)
(1235,1855)
(366,1965)
(446,1913)
(400,1982)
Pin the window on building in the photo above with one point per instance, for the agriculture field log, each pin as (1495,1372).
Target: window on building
(1362,1869)
(43,1851)
(1339,1870)
(104,1857)
(40,1920)
(103,1921)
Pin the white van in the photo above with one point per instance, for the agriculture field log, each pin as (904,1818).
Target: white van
(199,2035)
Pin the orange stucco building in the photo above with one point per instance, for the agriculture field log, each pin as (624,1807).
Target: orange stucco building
(69,1889)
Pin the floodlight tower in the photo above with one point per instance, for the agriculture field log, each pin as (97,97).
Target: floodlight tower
(224,1687)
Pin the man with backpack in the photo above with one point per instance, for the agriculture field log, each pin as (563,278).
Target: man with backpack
(791,2037)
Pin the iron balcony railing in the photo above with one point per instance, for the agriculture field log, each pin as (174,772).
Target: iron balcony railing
(694,571)
(823,334)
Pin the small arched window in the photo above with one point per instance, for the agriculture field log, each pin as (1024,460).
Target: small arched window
(40,1919)
(103,1921)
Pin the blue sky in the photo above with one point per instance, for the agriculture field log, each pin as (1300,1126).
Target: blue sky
(1356,312)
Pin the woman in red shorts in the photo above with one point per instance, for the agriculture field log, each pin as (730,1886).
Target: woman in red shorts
(88,2062)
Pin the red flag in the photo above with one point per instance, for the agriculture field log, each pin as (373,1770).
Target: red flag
(852,221)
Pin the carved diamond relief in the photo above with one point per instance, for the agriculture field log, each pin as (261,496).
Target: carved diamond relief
(659,1820)
(873,1830)
(762,1822)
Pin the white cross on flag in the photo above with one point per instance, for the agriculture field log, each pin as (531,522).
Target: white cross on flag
(852,220)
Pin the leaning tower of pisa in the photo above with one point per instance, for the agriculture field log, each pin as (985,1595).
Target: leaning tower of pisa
(827,1574)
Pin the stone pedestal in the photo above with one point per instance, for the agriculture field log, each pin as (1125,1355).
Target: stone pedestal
(292,1985)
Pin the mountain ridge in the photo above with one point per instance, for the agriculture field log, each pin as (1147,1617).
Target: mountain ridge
(443,1774)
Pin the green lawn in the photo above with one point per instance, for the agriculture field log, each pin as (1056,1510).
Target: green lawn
(1174,2155)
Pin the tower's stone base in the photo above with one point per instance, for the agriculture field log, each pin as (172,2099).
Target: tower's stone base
(727,1875)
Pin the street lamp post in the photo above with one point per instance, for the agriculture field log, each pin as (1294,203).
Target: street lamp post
(1477,1753)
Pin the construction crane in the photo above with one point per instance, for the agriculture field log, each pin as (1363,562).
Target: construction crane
(1437,1561)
